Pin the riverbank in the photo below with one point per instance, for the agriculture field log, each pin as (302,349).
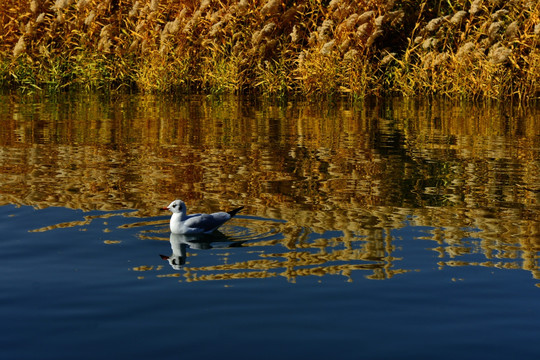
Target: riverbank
(458,49)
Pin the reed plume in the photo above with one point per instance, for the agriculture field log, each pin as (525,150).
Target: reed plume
(457,49)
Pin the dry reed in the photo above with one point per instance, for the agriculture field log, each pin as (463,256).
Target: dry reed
(457,48)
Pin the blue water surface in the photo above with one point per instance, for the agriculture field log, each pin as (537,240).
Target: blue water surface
(77,292)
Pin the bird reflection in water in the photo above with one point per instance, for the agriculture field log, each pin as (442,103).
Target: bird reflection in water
(180,243)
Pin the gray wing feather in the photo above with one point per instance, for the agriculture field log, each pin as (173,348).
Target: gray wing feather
(207,222)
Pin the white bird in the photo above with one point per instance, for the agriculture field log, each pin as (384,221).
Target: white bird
(182,223)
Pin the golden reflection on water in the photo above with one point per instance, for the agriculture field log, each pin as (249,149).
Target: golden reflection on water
(362,170)
(318,256)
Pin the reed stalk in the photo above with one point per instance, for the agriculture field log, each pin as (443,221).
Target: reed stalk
(454,48)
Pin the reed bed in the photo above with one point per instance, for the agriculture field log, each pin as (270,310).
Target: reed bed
(356,48)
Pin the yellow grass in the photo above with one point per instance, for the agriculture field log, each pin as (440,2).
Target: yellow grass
(454,48)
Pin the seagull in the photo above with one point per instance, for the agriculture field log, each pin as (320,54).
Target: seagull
(183,224)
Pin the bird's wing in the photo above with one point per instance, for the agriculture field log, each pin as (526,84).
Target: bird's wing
(207,222)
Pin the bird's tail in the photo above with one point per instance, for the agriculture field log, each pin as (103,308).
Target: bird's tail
(235,211)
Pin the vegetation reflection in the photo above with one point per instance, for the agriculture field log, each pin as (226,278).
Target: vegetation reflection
(469,173)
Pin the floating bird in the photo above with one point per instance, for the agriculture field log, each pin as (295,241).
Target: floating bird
(184,224)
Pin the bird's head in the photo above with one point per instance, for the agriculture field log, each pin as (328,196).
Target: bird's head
(177,206)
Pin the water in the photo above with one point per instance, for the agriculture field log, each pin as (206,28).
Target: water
(387,230)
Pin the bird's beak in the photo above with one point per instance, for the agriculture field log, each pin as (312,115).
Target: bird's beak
(163,257)
(164,208)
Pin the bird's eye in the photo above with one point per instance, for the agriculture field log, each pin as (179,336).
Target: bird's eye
(174,205)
